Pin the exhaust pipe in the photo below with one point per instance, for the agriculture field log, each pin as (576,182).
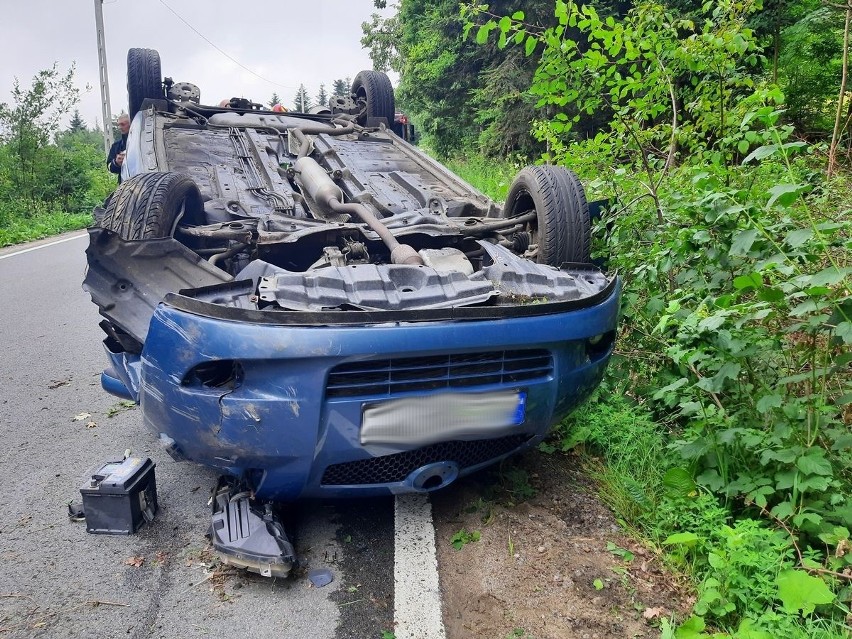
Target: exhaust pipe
(328,197)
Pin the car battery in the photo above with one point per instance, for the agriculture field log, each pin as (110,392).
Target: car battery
(120,497)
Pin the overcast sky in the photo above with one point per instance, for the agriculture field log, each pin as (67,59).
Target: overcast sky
(287,42)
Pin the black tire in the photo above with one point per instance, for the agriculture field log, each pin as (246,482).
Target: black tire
(144,79)
(374,87)
(149,205)
(562,228)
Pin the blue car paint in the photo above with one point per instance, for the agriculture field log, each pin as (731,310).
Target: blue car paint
(278,427)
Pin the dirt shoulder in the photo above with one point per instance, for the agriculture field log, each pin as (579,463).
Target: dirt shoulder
(555,565)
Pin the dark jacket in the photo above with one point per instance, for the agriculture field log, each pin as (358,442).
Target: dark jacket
(116,148)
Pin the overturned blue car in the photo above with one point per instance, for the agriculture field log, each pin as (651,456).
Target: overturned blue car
(314,307)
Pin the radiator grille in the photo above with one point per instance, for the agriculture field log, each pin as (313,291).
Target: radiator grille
(457,370)
(396,467)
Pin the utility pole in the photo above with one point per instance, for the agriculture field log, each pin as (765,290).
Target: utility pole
(102,63)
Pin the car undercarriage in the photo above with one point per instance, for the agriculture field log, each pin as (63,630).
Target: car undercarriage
(315,307)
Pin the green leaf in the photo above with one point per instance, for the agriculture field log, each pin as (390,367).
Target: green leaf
(798,590)
(711,323)
(743,241)
(815,464)
(770,294)
(623,553)
(785,194)
(529,47)
(783,510)
(752,280)
(687,539)
(692,628)
(814,483)
(798,237)
(518,15)
(728,370)
(742,146)
(482,33)
(723,301)
(711,479)
(785,479)
(761,153)
(842,442)
(844,331)
(767,402)
(598,584)
(748,630)
(636,491)
(716,560)
(670,388)
(679,481)
(829,276)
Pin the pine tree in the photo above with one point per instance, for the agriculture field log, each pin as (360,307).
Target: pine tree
(340,88)
(274,100)
(322,96)
(302,101)
(76,124)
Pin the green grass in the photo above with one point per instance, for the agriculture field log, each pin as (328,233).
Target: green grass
(26,229)
(491,176)
(623,450)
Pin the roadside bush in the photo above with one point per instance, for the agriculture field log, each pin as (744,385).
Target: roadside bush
(68,183)
(49,180)
(736,315)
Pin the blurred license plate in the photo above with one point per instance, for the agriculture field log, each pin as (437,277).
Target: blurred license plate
(418,421)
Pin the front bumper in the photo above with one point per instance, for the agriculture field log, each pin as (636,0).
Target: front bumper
(264,401)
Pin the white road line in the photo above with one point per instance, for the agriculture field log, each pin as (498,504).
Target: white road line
(417,593)
(41,246)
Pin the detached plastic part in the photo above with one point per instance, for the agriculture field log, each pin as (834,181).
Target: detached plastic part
(247,534)
(320,577)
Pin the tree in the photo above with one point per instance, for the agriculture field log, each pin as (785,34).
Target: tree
(29,123)
(275,99)
(322,96)
(77,124)
(302,101)
(809,69)
(770,22)
(839,124)
(458,93)
(381,38)
(340,88)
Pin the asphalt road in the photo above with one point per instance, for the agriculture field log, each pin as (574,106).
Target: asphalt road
(54,574)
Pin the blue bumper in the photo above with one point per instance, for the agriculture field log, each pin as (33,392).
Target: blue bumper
(282,405)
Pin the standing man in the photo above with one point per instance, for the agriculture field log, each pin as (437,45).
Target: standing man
(117,150)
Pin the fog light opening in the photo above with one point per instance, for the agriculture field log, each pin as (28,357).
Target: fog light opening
(599,345)
(433,482)
(224,374)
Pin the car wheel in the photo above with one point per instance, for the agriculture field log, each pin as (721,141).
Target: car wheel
(561,228)
(150,205)
(374,87)
(144,79)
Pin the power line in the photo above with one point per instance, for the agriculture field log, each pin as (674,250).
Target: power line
(231,58)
